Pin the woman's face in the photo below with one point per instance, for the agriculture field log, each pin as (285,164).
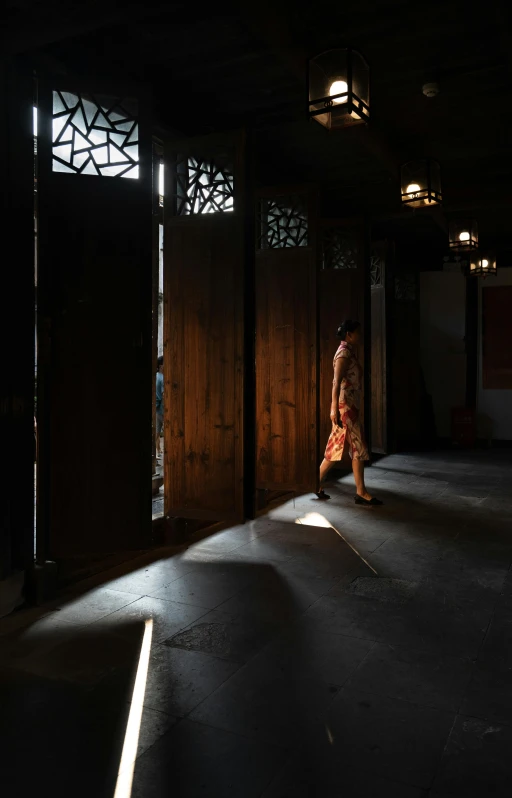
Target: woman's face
(354,337)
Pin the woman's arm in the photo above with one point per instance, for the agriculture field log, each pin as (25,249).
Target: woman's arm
(340,369)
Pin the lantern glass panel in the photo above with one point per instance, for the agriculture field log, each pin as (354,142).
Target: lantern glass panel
(421,183)
(463,235)
(339,88)
(482,264)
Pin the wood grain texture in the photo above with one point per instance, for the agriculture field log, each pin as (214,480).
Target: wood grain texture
(378,371)
(17,319)
(203,366)
(341,296)
(497,337)
(286,429)
(95,370)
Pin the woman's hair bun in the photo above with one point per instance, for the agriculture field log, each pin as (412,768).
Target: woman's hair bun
(347,326)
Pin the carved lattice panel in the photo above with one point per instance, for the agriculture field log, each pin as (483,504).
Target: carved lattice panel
(283,222)
(203,186)
(340,249)
(94,135)
(405,288)
(376,270)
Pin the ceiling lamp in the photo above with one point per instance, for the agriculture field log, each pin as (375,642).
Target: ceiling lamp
(463,235)
(339,89)
(421,183)
(482,264)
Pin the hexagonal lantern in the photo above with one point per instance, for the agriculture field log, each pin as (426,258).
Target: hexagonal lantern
(482,264)
(339,88)
(463,234)
(421,183)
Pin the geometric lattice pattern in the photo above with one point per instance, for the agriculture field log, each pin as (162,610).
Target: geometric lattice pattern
(203,186)
(94,136)
(340,249)
(376,270)
(283,222)
(405,288)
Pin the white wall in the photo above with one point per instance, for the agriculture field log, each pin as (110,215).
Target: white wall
(442,330)
(494,406)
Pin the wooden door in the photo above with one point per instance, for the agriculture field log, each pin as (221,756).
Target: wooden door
(286,343)
(341,296)
(378,376)
(94,283)
(17,319)
(496,337)
(203,328)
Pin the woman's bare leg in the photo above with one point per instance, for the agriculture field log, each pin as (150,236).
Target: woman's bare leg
(325,467)
(358,469)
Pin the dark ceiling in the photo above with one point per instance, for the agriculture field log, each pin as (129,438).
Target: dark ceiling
(244,63)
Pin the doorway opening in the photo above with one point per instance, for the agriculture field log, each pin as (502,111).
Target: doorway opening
(34,117)
(158,340)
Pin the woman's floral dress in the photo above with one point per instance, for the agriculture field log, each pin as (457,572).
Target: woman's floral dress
(351,431)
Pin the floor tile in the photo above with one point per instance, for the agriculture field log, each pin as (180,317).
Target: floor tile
(194,761)
(179,680)
(276,595)
(227,636)
(268,700)
(476,761)
(212,584)
(489,695)
(293,669)
(169,617)
(308,775)
(419,677)
(95,604)
(85,656)
(440,629)
(396,739)
(153,726)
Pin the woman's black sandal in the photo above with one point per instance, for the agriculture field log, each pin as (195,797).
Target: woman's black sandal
(322,495)
(368,502)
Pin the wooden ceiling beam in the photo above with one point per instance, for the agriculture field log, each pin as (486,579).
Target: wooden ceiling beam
(42,25)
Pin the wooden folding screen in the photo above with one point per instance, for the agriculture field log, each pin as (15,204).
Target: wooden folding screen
(17,318)
(341,296)
(203,328)
(497,337)
(378,375)
(95,374)
(286,342)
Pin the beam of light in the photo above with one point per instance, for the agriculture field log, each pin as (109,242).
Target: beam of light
(315,519)
(131,738)
(34,118)
(161,180)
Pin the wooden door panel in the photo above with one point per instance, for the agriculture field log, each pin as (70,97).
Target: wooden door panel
(341,296)
(496,338)
(204,363)
(203,345)
(285,370)
(94,371)
(378,377)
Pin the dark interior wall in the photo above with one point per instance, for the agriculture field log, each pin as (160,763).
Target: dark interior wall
(404,341)
(16,317)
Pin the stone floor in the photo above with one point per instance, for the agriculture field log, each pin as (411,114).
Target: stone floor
(324,650)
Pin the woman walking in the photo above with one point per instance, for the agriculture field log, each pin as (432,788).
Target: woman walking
(345,414)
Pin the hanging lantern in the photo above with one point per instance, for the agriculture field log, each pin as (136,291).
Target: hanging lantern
(463,235)
(421,183)
(482,264)
(339,89)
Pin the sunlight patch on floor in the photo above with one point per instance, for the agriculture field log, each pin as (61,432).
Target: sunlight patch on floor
(131,739)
